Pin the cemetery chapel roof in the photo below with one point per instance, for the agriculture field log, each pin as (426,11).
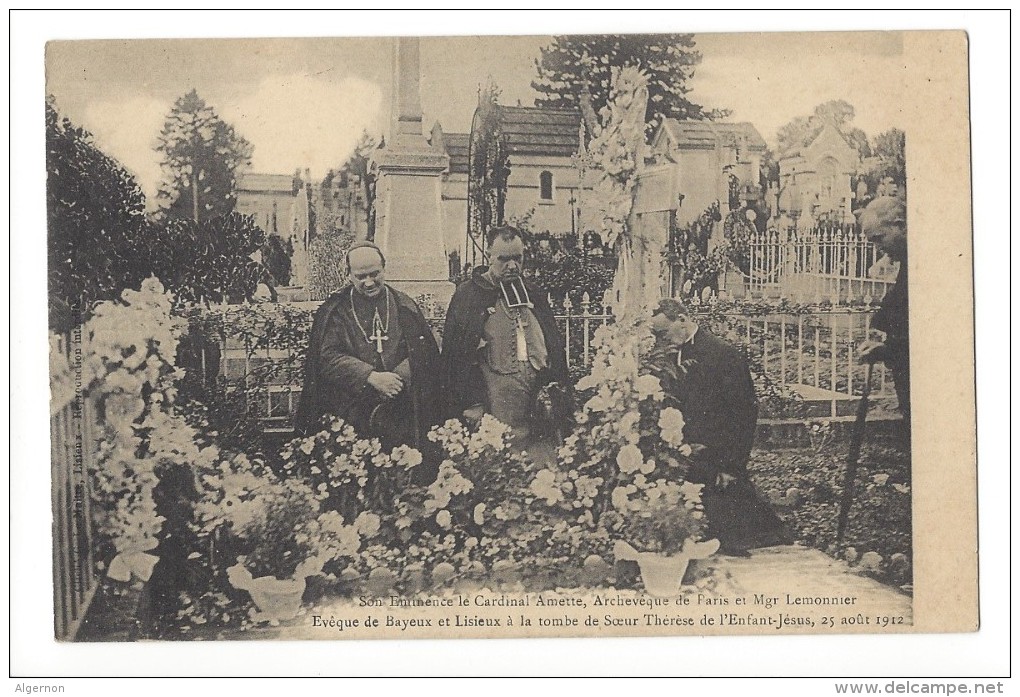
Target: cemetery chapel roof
(706,134)
(540,130)
(266,183)
(457,145)
(797,149)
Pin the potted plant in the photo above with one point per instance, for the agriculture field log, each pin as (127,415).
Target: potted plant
(661,529)
(273,529)
(625,466)
(277,550)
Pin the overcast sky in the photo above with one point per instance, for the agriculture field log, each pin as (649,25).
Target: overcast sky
(304,102)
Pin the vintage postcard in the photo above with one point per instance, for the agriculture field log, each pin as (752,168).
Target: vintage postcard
(500,337)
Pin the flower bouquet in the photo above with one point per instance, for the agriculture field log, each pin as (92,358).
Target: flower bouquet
(624,468)
(350,474)
(481,526)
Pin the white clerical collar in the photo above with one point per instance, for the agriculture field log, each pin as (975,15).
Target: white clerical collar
(515,294)
(686,344)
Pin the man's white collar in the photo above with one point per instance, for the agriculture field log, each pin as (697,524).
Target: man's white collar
(680,348)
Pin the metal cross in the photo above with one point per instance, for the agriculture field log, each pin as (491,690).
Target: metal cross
(522,341)
(378,333)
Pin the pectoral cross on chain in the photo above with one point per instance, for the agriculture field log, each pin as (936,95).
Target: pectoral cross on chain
(522,341)
(378,333)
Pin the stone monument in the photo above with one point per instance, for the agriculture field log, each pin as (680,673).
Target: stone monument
(409,225)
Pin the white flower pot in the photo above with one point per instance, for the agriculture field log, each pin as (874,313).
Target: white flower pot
(662,575)
(276,599)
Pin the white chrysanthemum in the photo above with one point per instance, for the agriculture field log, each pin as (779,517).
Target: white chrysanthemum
(620,496)
(691,491)
(367,524)
(544,487)
(629,459)
(629,421)
(406,456)
(647,386)
(671,425)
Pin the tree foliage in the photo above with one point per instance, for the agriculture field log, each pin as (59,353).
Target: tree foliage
(360,165)
(277,254)
(574,62)
(201,158)
(888,157)
(95,216)
(573,274)
(489,171)
(326,213)
(799,132)
(568,265)
(101,241)
(209,261)
(327,271)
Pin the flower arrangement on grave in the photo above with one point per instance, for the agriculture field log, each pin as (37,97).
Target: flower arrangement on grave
(128,372)
(660,517)
(350,474)
(271,531)
(610,161)
(688,252)
(485,502)
(480,520)
(625,465)
(273,527)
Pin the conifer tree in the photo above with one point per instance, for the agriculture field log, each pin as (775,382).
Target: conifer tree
(573,63)
(202,156)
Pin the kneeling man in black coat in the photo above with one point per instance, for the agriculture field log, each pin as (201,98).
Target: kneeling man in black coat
(708,380)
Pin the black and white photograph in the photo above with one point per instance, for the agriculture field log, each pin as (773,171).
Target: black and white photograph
(488,337)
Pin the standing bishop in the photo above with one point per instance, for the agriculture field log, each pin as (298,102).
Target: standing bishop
(372,359)
(501,345)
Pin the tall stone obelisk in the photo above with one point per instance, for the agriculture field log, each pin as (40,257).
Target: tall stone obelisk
(409,215)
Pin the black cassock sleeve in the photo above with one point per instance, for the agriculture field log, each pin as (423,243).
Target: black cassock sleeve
(554,342)
(462,383)
(732,414)
(339,369)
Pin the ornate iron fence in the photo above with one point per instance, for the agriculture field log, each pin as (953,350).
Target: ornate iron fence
(814,353)
(811,350)
(823,262)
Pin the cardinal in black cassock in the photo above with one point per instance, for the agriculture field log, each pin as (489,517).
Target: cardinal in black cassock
(372,360)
